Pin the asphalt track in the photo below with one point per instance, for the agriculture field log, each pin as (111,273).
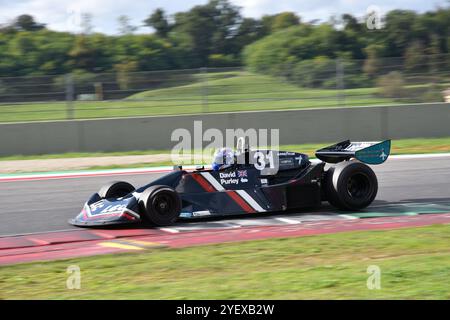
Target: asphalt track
(406,186)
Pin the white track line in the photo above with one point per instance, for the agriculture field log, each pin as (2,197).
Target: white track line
(419,156)
(347,216)
(288,221)
(169,230)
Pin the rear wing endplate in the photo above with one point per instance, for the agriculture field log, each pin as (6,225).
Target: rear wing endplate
(367,152)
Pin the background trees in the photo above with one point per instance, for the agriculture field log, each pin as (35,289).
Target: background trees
(216,34)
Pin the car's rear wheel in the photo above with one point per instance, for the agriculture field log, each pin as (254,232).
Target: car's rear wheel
(160,205)
(350,185)
(115,189)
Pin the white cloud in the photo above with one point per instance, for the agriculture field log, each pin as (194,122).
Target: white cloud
(59,15)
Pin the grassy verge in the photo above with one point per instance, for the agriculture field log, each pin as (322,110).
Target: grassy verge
(414,263)
(227,91)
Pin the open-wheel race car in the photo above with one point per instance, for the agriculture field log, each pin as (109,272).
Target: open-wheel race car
(243,187)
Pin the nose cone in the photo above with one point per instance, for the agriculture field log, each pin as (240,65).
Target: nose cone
(102,212)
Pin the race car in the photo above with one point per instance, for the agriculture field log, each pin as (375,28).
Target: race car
(244,187)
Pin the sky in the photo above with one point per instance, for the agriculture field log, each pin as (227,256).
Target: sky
(64,15)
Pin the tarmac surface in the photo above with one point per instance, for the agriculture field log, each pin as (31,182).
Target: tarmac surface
(407,186)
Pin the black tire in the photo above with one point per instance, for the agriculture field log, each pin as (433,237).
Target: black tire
(115,189)
(160,205)
(350,186)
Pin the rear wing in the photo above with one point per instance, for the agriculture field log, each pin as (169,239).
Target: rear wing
(367,152)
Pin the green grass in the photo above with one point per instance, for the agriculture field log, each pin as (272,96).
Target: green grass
(226,91)
(414,263)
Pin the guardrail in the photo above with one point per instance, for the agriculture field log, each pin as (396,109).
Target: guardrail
(296,126)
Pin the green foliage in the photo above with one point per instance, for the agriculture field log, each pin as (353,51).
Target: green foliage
(284,20)
(315,72)
(391,85)
(158,21)
(373,62)
(414,57)
(124,78)
(79,77)
(25,22)
(216,34)
(300,53)
(221,60)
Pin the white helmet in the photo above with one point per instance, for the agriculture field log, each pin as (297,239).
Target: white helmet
(223,158)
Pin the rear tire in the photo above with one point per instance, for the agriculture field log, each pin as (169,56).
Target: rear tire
(350,186)
(160,205)
(115,189)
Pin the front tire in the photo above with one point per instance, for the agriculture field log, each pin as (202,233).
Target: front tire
(160,205)
(115,189)
(351,186)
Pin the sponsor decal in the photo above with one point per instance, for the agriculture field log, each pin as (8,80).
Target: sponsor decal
(201,213)
(97,205)
(234,177)
(286,153)
(299,159)
(286,161)
(114,208)
(95,208)
(227,178)
(243,175)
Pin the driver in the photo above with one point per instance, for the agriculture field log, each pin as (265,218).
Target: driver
(223,158)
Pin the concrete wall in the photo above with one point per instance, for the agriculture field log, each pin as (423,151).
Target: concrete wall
(296,126)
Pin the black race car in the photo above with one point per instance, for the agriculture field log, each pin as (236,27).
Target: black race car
(243,188)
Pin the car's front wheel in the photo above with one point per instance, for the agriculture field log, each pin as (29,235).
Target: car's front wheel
(115,189)
(350,185)
(160,205)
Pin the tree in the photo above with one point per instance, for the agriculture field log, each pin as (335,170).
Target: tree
(209,29)
(267,22)
(159,22)
(249,31)
(373,62)
(285,20)
(400,29)
(83,55)
(351,23)
(434,50)
(124,74)
(391,85)
(25,22)
(415,57)
(124,25)
(227,21)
